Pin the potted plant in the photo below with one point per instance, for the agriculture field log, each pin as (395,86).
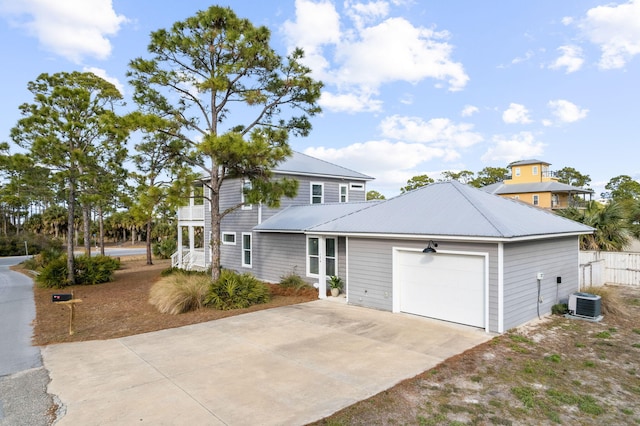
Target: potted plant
(335,283)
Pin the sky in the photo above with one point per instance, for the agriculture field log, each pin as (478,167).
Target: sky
(410,87)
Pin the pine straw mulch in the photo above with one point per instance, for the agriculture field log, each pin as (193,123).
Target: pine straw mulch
(121,308)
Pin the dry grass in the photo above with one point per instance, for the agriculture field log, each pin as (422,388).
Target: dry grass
(611,303)
(179,293)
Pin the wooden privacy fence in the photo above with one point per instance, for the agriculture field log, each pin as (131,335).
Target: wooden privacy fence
(601,267)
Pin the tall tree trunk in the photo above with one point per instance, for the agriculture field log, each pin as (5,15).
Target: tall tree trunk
(133,235)
(71,276)
(149,260)
(215,225)
(86,222)
(101,223)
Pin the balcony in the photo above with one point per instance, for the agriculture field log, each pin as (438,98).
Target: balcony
(191,213)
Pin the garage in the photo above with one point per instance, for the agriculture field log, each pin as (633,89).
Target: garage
(445,286)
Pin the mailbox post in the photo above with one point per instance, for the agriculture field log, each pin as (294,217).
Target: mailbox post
(67,299)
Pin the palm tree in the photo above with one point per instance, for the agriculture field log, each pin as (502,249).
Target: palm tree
(54,219)
(610,225)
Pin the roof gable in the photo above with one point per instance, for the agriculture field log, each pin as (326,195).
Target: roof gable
(303,164)
(522,188)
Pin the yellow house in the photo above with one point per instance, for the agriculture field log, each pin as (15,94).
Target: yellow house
(532,182)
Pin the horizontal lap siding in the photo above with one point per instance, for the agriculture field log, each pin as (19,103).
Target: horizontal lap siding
(522,262)
(370,275)
(279,254)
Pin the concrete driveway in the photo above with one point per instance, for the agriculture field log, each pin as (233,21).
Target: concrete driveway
(290,365)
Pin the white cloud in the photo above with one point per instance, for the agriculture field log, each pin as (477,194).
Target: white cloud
(469,110)
(103,74)
(440,132)
(528,55)
(516,113)
(516,147)
(73,29)
(615,28)
(571,59)
(349,102)
(391,163)
(368,48)
(567,112)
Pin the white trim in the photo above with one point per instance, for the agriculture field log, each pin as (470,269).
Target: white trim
(444,237)
(228,243)
(500,287)
(357,186)
(311,196)
(322,256)
(247,265)
(534,170)
(395,286)
(346,193)
(346,267)
(535,199)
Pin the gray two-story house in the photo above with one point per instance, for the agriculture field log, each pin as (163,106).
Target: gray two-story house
(446,251)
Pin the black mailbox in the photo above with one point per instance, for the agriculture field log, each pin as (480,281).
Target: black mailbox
(61,297)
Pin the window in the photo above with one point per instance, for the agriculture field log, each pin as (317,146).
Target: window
(517,171)
(317,193)
(229,238)
(536,200)
(246,250)
(356,186)
(246,185)
(517,197)
(534,170)
(313,256)
(344,194)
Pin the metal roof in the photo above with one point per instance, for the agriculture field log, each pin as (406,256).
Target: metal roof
(526,162)
(299,218)
(453,209)
(522,188)
(303,164)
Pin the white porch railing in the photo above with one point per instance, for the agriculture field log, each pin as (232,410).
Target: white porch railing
(191,260)
(191,213)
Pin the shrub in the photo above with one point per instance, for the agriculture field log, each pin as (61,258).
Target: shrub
(174,270)
(560,309)
(95,270)
(165,248)
(88,270)
(236,291)
(178,293)
(293,280)
(54,275)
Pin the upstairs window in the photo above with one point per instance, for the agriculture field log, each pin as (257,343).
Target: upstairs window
(317,193)
(536,200)
(246,185)
(229,238)
(534,170)
(517,172)
(356,186)
(344,194)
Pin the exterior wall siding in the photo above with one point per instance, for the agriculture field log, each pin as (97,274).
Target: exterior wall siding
(522,261)
(279,254)
(370,275)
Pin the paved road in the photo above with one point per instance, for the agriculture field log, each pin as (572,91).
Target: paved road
(23,379)
(17,311)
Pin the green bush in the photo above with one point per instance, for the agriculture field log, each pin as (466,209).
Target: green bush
(88,270)
(95,269)
(14,245)
(54,274)
(179,292)
(560,309)
(174,270)
(165,248)
(236,291)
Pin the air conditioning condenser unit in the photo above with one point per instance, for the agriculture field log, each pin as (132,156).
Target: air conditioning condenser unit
(585,305)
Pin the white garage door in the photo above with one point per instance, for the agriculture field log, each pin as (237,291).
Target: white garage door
(445,286)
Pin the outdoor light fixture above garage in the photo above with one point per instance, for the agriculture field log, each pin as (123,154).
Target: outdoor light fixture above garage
(431,247)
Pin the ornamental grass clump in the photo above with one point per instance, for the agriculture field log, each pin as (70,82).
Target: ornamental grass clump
(179,293)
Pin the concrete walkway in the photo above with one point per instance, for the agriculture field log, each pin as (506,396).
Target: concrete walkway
(290,365)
